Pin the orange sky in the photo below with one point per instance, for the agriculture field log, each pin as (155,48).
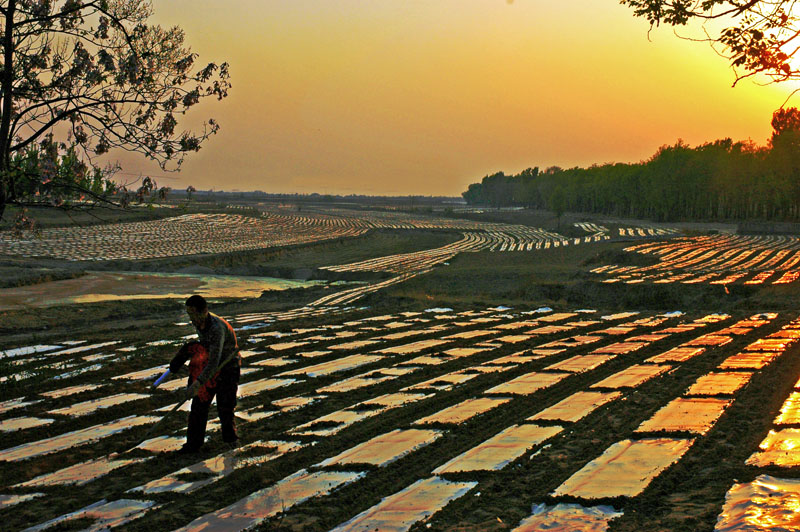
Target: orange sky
(425,97)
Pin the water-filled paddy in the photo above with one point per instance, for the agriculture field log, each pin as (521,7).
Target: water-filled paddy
(390,432)
(115,286)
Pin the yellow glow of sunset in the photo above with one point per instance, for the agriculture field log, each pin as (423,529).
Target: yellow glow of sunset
(425,97)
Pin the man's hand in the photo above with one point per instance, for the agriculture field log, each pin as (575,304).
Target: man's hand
(192,389)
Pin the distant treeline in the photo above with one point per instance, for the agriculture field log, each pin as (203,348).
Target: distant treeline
(715,181)
(258,195)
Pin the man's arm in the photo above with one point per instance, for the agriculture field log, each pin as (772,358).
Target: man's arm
(179,359)
(216,340)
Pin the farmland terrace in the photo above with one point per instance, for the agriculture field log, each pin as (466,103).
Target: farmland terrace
(424,397)
(490,418)
(717,260)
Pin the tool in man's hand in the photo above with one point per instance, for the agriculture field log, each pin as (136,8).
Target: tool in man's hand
(161,378)
(190,392)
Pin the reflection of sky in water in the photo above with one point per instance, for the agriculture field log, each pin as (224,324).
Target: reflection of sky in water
(415,503)
(499,450)
(719,383)
(111,286)
(790,411)
(625,469)
(270,501)
(693,414)
(632,377)
(10,353)
(255,387)
(577,406)
(72,390)
(334,366)
(106,514)
(210,287)
(779,448)
(10,500)
(218,467)
(83,473)
(528,383)
(463,411)
(21,423)
(386,448)
(13,404)
(73,439)
(765,503)
(568,517)
(93,405)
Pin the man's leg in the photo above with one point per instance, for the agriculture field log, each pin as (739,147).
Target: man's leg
(227,385)
(198,417)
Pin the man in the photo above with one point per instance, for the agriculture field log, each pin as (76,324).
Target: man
(213,370)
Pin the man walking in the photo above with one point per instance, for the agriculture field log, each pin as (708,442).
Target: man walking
(214,369)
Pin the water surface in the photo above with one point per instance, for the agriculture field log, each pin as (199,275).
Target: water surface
(115,286)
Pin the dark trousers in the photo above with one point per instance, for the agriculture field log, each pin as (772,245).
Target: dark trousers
(225,390)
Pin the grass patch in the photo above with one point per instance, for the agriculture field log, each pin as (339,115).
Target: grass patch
(13,276)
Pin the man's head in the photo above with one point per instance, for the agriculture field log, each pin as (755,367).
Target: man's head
(197,308)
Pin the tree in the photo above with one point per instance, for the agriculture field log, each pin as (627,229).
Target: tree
(98,75)
(474,194)
(757,36)
(557,202)
(786,127)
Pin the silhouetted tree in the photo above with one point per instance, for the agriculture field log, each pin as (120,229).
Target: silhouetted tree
(99,75)
(720,180)
(474,194)
(757,36)
(557,202)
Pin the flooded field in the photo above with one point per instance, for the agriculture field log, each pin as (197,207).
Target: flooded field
(716,260)
(117,286)
(395,432)
(363,413)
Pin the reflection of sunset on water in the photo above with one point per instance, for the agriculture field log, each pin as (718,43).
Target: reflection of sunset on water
(764,504)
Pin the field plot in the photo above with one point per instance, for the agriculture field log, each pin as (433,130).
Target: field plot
(716,260)
(348,425)
(193,234)
(212,234)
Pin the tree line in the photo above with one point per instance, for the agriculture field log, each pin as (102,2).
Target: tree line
(720,180)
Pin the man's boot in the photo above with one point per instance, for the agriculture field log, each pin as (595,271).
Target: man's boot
(228,422)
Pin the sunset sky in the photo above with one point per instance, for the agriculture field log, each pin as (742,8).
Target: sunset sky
(425,97)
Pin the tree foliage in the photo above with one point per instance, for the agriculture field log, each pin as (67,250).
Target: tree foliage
(757,36)
(720,180)
(101,77)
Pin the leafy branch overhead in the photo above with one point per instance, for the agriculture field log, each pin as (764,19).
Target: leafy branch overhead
(99,75)
(759,37)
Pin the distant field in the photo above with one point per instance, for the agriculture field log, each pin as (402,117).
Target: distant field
(437,392)
(560,276)
(50,217)
(285,262)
